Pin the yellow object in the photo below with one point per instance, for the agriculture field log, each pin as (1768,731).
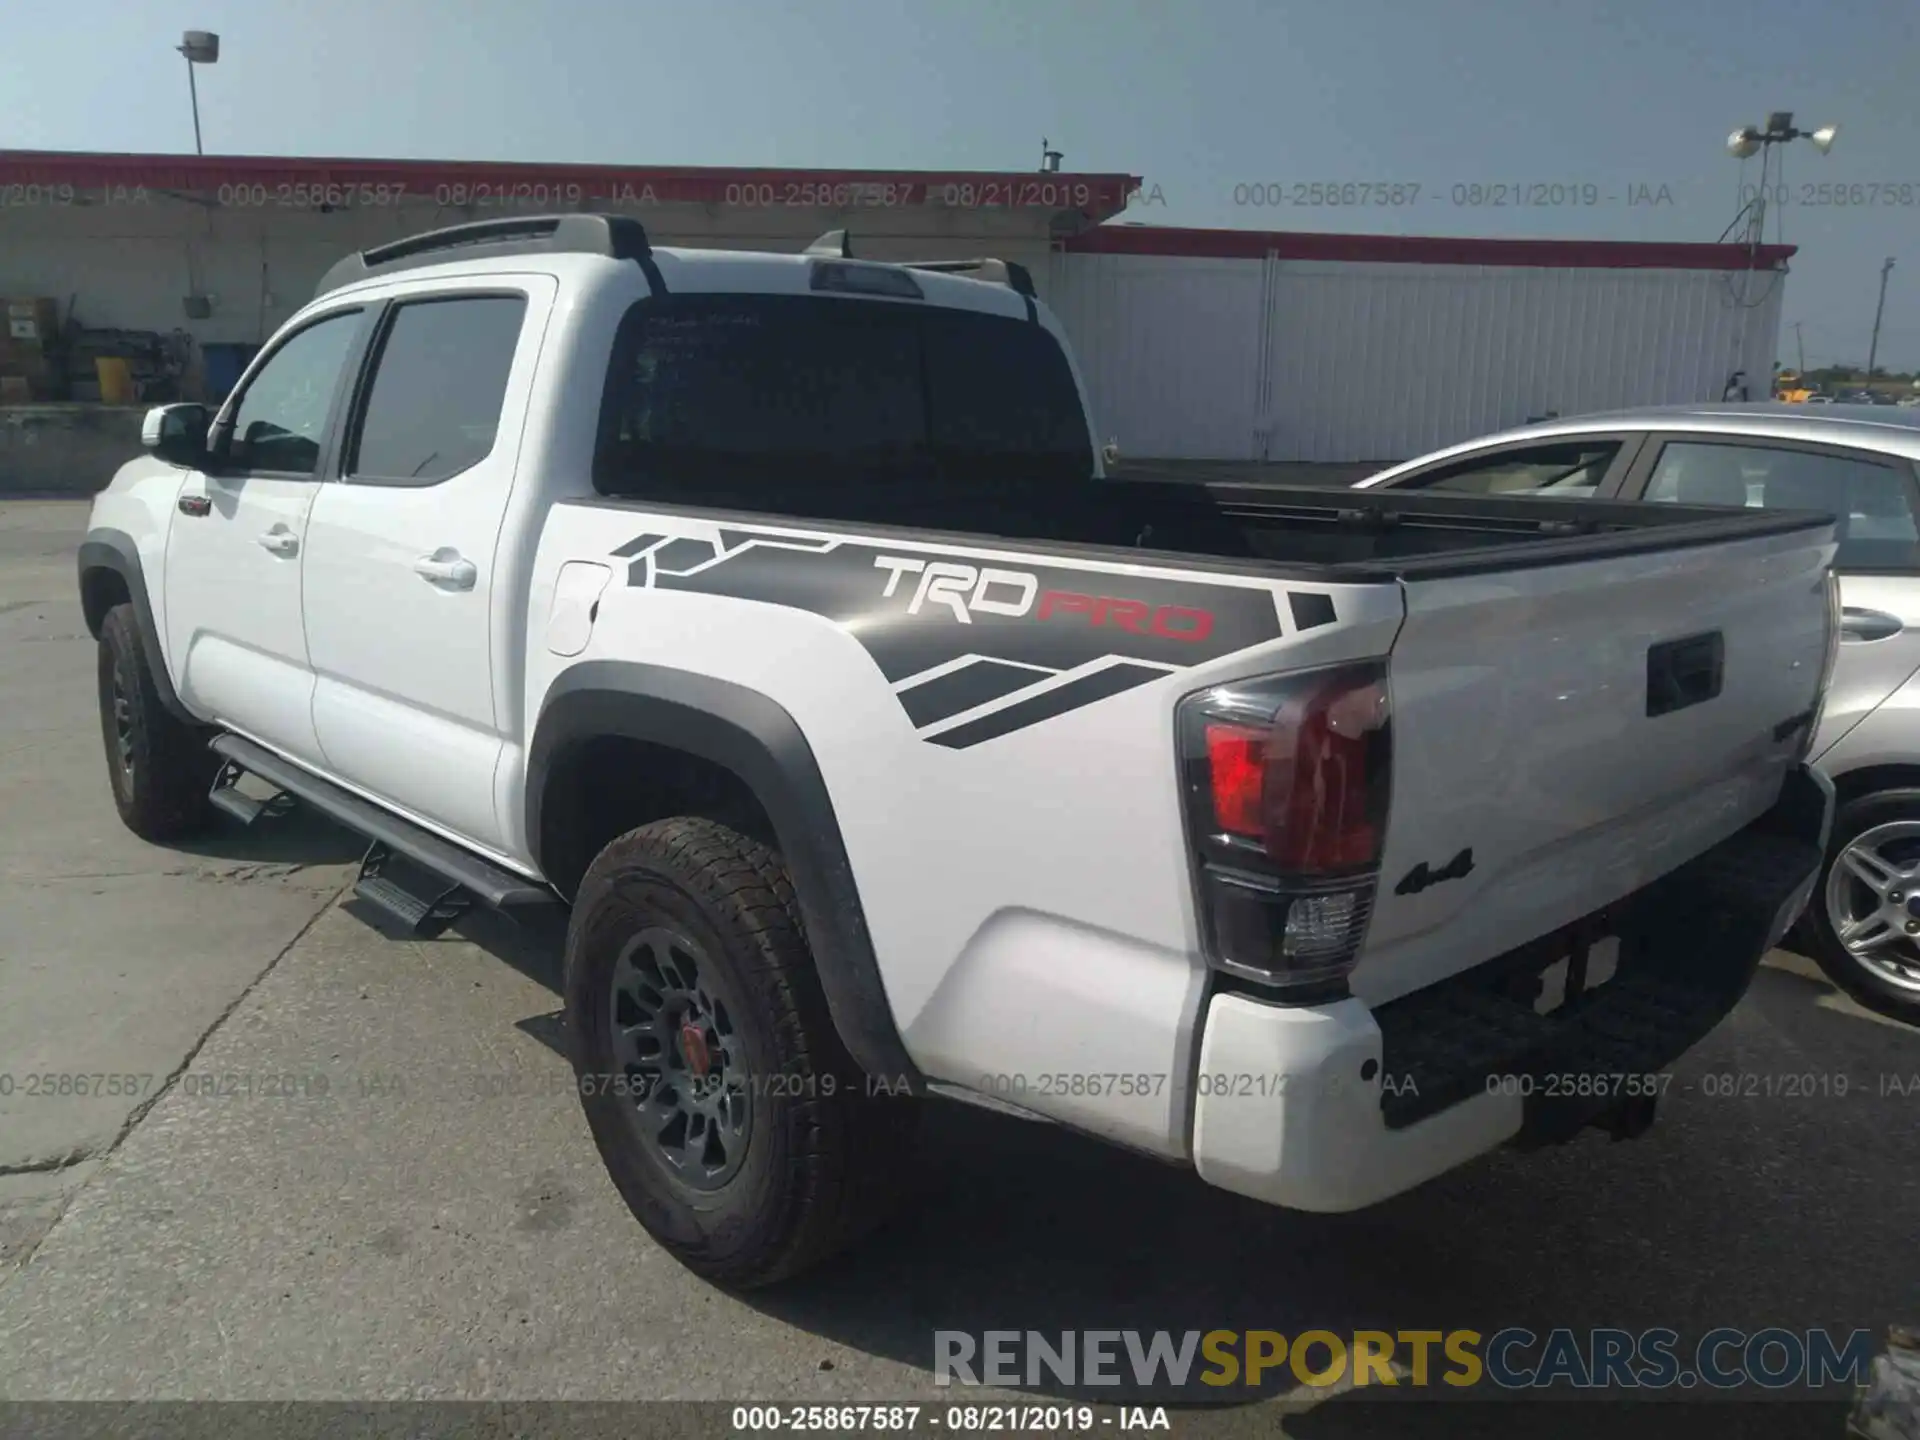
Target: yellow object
(116,380)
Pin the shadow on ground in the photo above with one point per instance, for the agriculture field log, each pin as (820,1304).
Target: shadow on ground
(1752,1209)
(302,836)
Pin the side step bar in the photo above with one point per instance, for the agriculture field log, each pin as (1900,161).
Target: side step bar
(448,875)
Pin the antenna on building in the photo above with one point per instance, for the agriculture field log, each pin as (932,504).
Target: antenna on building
(1049,157)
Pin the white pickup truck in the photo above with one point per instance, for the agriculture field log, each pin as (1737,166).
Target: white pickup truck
(774,612)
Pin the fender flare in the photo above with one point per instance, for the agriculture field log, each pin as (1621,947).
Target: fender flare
(107,549)
(755,738)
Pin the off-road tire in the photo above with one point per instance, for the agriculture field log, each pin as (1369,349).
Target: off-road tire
(826,1151)
(158,765)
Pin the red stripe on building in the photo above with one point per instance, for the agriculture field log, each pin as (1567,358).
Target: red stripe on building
(1098,197)
(1426,249)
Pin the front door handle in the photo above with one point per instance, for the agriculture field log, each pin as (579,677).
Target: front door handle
(1859,625)
(281,542)
(445,567)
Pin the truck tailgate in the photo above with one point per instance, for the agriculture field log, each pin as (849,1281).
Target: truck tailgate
(1565,734)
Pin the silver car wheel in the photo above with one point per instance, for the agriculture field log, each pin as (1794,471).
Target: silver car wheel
(1873,902)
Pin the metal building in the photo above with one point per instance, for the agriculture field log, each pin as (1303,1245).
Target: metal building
(1196,344)
(226,248)
(1238,345)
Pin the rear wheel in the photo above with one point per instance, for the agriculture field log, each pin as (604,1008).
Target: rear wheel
(159,766)
(1864,922)
(731,1118)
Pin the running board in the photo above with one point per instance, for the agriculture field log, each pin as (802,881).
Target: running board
(227,795)
(458,869)
(419,901)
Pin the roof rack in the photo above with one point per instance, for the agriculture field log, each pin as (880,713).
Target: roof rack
(838,245)
(618,237)
(994,272)
(833,245)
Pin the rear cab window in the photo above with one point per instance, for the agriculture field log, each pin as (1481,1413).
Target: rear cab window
(712,389)
(1873,500)
(439,380)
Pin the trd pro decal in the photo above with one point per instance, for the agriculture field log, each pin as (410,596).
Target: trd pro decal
(974,648)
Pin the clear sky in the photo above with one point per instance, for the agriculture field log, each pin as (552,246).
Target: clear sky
(1204,99)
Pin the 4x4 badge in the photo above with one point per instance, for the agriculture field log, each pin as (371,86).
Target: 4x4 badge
(1420,877)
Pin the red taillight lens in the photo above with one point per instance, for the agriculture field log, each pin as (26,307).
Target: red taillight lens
(1325,792)
(1237,771)
(1310,785)
(1287,786)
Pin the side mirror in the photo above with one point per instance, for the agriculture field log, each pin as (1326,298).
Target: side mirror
(177,433)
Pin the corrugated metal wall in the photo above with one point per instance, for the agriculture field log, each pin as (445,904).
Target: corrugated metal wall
(1168,349)
(1318,361)
(129,265)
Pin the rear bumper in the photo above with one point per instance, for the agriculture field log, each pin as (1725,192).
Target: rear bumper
(1337,1106)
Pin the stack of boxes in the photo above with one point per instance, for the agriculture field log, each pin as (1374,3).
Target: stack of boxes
(29,351)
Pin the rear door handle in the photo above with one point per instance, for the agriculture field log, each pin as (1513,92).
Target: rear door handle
(1857,626)
(445,567)
(281,542)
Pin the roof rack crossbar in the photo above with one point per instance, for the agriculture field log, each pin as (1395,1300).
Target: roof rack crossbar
(834,245)
(998,272)
(618,237)
(838,245)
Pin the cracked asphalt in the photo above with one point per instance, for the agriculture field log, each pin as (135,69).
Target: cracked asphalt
(338,1165)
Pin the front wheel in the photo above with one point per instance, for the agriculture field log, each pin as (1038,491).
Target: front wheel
(1864,921)
(159,766)
(728,1113)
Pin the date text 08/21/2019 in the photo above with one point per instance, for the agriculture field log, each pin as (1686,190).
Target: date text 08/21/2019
(1045,1418)
(564,194)
(1494,195)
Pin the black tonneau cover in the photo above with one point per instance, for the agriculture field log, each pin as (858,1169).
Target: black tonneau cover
(1303,531)
(1412,534)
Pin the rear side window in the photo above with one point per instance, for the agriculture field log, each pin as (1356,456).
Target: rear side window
(1872,502)
(439,381)
(1568,470)
(721,388)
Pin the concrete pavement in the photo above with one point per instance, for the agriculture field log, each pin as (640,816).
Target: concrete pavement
(115,958)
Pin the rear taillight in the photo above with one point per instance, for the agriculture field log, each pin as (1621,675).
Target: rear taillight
(1287,787)
(1831,658)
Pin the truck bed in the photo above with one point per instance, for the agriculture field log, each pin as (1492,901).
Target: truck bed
(1586,694)
(1354,536)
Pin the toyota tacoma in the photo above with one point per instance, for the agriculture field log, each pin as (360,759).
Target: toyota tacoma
(776,615)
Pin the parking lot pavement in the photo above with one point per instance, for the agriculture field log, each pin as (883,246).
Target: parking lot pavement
(373,1179)
(115,958)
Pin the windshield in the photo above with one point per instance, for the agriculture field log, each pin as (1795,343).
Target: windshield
(710,387)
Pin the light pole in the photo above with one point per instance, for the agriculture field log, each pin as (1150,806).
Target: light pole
(1873,346)
(1742,144)
(201,47)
